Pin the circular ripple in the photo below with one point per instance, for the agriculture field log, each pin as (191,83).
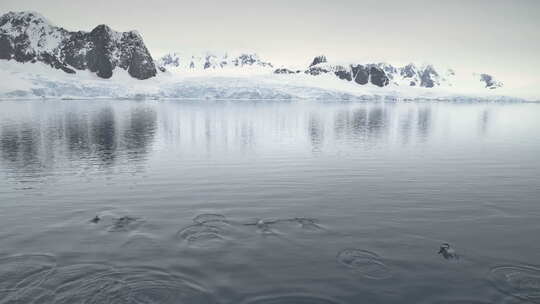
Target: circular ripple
(208,217)
(28,296)
(105,289)
(365,262)
(519,281)
(23,271)
(148,286)
(290,299)
(200,233)
(74,273)
(76,283)
(102,284)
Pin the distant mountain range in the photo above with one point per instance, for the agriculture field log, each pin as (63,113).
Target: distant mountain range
(383,74)
(210,61)
(28,37)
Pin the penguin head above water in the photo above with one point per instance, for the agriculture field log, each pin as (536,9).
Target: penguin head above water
(447,251)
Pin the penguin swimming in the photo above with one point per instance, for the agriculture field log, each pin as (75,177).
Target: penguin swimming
(95,220)
(448,252)
(261,224)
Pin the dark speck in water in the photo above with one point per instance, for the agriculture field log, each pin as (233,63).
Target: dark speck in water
(448,252)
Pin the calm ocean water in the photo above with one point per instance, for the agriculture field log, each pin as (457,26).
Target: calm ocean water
(269,202)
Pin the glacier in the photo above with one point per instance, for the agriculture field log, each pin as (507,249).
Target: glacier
(38,81)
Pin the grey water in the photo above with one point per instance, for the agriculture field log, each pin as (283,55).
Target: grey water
(115,201)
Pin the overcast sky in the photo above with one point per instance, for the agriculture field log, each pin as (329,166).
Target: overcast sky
(486,36)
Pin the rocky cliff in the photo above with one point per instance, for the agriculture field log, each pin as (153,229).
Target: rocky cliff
(29,37)
(384,74)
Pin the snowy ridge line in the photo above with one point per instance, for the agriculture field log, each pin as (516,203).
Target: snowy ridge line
(37,81)
(41,60)
(29,37)
(54,84)
(181,62)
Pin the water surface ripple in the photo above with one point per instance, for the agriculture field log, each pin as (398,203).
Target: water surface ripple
(117,201)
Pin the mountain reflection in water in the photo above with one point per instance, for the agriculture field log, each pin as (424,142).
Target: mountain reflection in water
(114,201)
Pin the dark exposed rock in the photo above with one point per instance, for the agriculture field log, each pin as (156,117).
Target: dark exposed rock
(408,71)
(428,77)
(170,60)
(360,74)
(378,77)
(249,60)
(74,50)
(96,57)
(284,71)
(318,59)
(55,63)
(245,59)
(487,79)
(6,49)
(388,69)
(490,82)
(316,71)
(343,73)
(20,44)
(136,58)
(101,51)
(140,66)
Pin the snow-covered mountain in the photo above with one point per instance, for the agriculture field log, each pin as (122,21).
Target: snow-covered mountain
(29,37)
(180,62)
(41,60)
(384,74)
